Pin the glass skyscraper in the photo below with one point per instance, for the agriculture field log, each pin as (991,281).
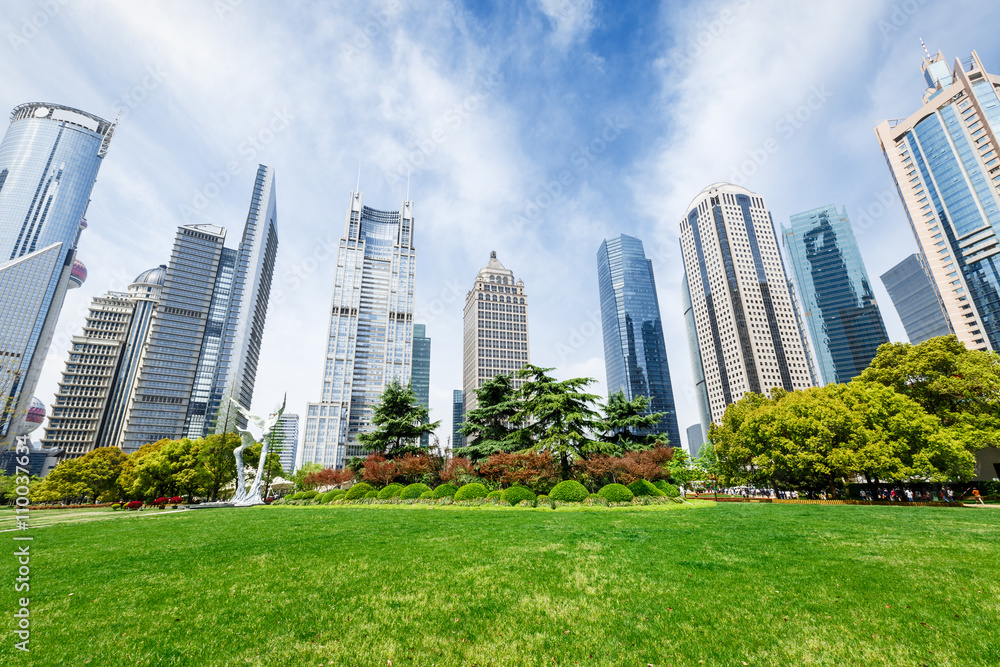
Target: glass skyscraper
(945,164)
(286,441)
(916,300)
(420,379)
(635,355)
(457,418)
(371,330)
(840,308)
(49,159)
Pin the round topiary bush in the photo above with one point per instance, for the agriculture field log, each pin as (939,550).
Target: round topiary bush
(616,493)
(471,492)
(569,491)
(413,491)
(445,490)
(358,491)
(371,495)
(495,494)
(517,494)
(324,498)
(391,491)
(296,496)
(669,490)
(641,487)
(309,495)
(338,493)
(427,495)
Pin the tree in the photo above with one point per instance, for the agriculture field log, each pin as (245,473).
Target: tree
(329,477)
(100,469)
(173,468)
(558,417)
(302,475)
(399,422)
(378,470)
(216,457)
(960,387)
(61,484)
(488,428)
(129,478)
(629,425)
(523,468)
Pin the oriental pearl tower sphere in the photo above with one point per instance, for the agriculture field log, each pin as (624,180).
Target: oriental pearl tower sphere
(35,417)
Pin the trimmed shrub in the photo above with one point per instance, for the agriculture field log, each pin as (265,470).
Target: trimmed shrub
(641,487)
(391,491)
(338,493)
(358,491)
(669,490)
(444,490)
(309,495)
(371,495)
(569,491)
(427,495)
(324,498)
(543,498)
(495,494)
(413,491)
(517,494)
(134,505)
(296,496)
(616,493)
(471,492)
(176,500)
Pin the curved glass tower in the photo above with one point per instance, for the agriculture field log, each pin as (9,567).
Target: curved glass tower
(49,159)
(635,354)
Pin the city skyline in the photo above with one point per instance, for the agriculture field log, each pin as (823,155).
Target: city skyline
(490,172)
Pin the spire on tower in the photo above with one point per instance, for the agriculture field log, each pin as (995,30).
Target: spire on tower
(926,52)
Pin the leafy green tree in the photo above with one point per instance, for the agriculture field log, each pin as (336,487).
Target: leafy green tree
(733,446)
(215,455)
(99,469)
(558,417)
(706,464)
(629,425)
(299,478)
(399,422)
(960,387)
(681,468)
(63,483)
(488,428)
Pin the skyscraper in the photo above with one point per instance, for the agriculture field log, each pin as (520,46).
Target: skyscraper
(840,308)
(235,328)
(748,333)
(495,329)
(635,354)
(49,159)
(371,330)
(457,418)
(287,441)
(916,300)
(420,379)
(943,159)
(696,439)
(698,373)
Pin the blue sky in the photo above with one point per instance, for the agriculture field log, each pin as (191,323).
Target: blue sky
(635,106)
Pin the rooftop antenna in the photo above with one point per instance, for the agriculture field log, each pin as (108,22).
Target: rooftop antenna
(110,132)
(926,52)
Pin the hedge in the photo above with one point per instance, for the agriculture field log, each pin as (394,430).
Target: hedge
(516,494)
(445,490)
(309,495)
(495,494)
(413,491)
(669,490)
(327,497)
(358,491)
(642,487)
(391,491)
(371,495)
(616,493)
(427,495)
(569,491)
(471,492)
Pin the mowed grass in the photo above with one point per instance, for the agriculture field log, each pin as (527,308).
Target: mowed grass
(730,584)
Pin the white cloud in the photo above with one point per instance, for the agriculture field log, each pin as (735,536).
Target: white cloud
(572,20)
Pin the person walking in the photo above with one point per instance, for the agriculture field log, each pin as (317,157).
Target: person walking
(951,495)
(978,498)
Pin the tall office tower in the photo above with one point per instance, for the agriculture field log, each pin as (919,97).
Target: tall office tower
(697,372)
(749,335)
(944,162)
(696,439)
(49,159)
(158,404)
(635,354)
(420,378)
(457,418)
(916,300)
(841,312)
(495,329)
(231,348)
(287,429)
(371,330)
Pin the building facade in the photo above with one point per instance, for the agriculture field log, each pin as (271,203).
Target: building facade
(286,440)
(49,159)
(457,419)
(635,354)
(371,330)
(916,299)
(697,372)
(748,333)
(944,162)
(420,378)
(841,313)
(695,438)
(495,329)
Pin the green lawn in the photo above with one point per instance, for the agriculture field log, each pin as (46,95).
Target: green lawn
(732,584)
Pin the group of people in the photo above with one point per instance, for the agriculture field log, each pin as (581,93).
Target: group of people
(900,495)
(909,495)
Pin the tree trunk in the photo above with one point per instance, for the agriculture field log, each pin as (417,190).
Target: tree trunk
(564,462)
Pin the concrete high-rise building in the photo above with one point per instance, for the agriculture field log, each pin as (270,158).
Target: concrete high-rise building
(495,329)
(231,348)
(420,378)
(748,332)
(49,159)
(635,354)
(696,438)
(917,301)
(943,160)
(371,330)
(457,418)
(286,439)
(840,308)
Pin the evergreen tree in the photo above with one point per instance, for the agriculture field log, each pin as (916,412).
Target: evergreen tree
(399,420)
(489,427)
(629,425)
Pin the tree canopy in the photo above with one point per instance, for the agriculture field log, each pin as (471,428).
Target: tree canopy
(399,422)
